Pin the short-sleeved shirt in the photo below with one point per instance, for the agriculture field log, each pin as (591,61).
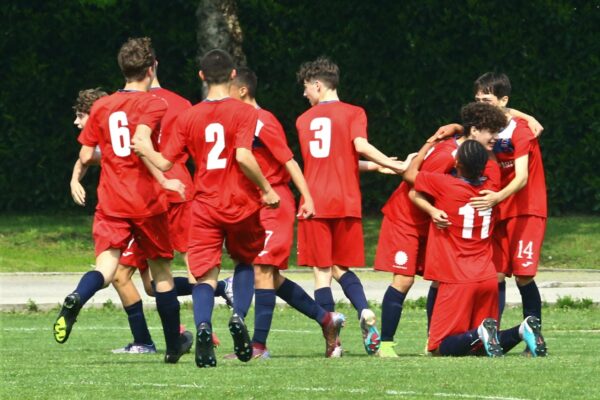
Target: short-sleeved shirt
(176,104)
(462,252)
(271,149)
(127,189)
(211,131)
(326,133)
(513,142)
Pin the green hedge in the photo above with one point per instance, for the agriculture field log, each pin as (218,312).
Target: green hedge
(410,64)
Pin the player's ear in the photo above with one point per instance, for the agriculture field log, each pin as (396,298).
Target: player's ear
(201,75)
(243,91)
(503,101)
(233,74)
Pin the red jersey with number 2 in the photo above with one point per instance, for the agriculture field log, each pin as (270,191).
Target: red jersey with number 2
(126,189)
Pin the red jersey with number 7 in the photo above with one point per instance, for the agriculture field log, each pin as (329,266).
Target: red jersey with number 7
(211,131)
(271,149)
(462,252)
(126,189)
(326,133)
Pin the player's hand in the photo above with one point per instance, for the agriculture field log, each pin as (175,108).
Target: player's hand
(440,219)
(400,166)
(306,209)
(141,145)
(78,193)
(488,199)
(271,199)
(535,127)
(174,185)
(445,131)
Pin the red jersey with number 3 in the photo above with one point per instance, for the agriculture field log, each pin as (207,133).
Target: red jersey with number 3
(462,252)
(513,142)
(176,105)
(326,133)
(271,149)
(211,131)
(126,189)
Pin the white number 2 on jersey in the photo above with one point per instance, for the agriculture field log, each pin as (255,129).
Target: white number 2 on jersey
(319,148)
(468,213)
(215,133)
(120,137)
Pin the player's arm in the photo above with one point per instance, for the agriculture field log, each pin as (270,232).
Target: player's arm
(410,175)
(533,123)
(143,147)
(438,217)
(174,185)
(250,168)
(490,198)
(307,208)
(370,152)
(447,131)
(79,171)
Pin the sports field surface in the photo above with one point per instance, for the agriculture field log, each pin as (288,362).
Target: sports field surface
(33,366)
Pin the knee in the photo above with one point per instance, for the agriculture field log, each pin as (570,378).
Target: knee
(524,280)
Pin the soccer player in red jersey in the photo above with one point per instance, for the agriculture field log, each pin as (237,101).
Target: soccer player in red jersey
(277,163)
(218,134)
(131,203)
(460,256)
(332,136)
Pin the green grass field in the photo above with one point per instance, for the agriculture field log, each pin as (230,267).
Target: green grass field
(49,243)
(33,366)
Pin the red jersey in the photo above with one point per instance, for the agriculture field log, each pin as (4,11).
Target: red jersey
(271,149)
(513,142)
(176,104)
(326,133)
(127,189)
(212,131)
(462,252)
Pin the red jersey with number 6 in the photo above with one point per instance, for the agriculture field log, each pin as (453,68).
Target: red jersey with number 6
(326,133)
(462,252)
(211,131)
(126,189)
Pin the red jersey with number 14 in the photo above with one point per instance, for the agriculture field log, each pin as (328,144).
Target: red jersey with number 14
(462,252)
(326,133)
(212,131)
(126,189)
(271,149)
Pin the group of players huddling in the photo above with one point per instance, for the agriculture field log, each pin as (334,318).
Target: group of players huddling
(470,211)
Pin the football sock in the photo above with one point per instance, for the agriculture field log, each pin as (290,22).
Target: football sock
(89,284)
(243,288)
(137,323)
(295,296)
(264,304)
(183,286)
(167,306)
(458,345)
(324,298)
(532,302)
(391,311)
(431,296)
(501,299)
(203,299)
(509,338)
(220,290)
(354,291)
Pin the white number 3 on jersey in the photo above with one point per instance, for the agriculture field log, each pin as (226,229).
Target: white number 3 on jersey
(319,148)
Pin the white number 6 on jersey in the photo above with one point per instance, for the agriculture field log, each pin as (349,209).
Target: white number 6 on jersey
(319,148)
(120,137)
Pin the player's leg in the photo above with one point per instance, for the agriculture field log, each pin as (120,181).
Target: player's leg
(500,246)
(431,296)
(264,305)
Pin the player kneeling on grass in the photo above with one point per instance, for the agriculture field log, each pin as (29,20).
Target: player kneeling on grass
(466,309)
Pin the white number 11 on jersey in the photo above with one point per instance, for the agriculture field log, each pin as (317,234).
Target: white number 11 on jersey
(468,213)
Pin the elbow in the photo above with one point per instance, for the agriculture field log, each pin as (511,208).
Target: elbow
(165,166)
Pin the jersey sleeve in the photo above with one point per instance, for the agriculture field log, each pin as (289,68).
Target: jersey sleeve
(359,125)
(439,161)
(431,183)
(177,141)
(152,111)
(88,136)
(522,138)
(273,136)
(246,128)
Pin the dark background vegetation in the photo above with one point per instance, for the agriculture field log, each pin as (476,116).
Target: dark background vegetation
(410,64)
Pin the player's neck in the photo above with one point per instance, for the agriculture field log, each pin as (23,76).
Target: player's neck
(251,102)
(218,92)
(141,86)
(329,95)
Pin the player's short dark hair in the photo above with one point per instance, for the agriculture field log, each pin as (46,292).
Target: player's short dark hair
(135,57)
(85,99)
(247,78)
(472,157)
(494,83)
(322,69)
(216,65)
(482,116)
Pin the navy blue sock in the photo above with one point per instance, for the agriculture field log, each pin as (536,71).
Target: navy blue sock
(501,299)
(167,306)
(183,287)
(89,284)
(458,345)
(391,311)
(431,296)
(264,304)
(137,323)
(509,338)
(220,290)
(295,296)
(324,298)
(203,299)
(532,301)
(243,288)
(354,291)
